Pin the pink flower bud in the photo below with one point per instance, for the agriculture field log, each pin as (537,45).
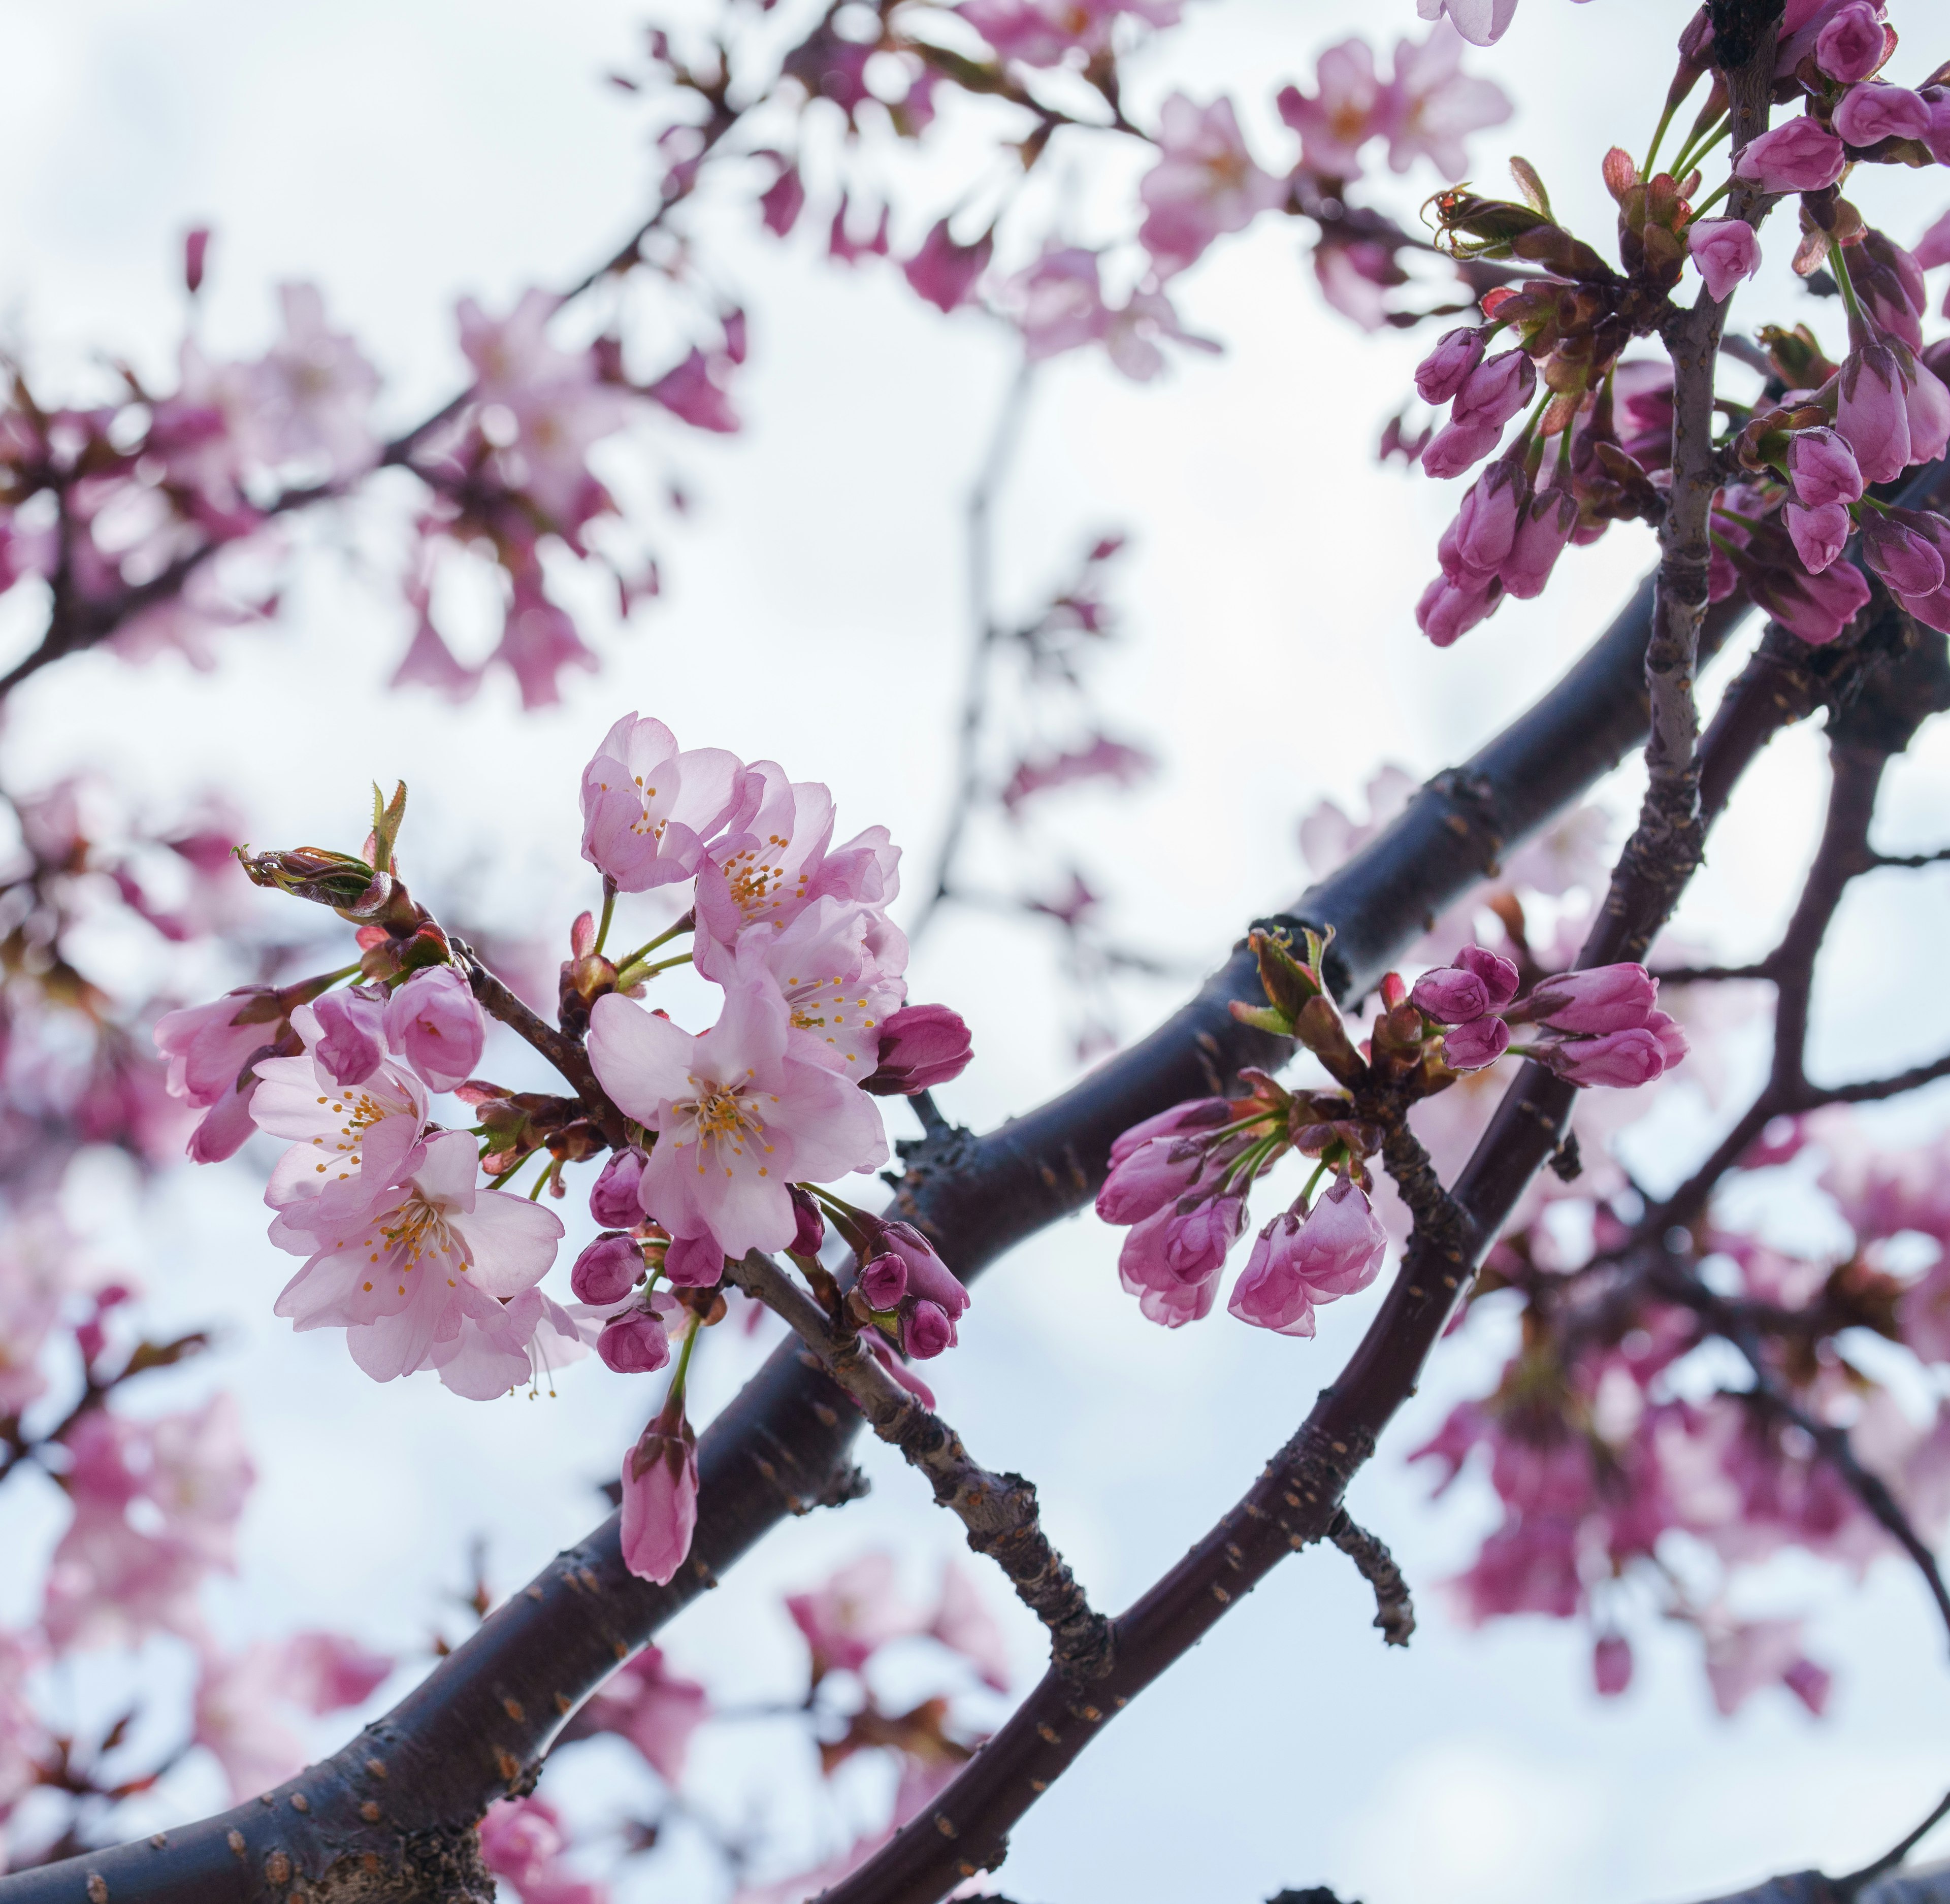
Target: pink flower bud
(1196,1114)
(1619,1059)
(884,1281)
(1726,249)
(926,1331)
(434,1023)
(196,254)
(207,1045)
(812,1230)
(614,1200)
(1296,1265)
(1612,1665)
(693,1262)
(1801,156)
(1853,43)
(929,1278)
(1816,607)
(1927,402)
(1909,562)
(607,1270)
(1195,1240)
(1546,527)
(1458,447)
(1445,612)
(1869,114)
(944,272)
(1819,535)
(1872,413)
(1444,371)
(1146,1180)
(1451,996)
(1498,974)
(1495,391)
(921,1045)
(633,1344)
(1822,469)
(1486,523)
(660,1498)
(1471,1046)
(354,1033)
(1605,998)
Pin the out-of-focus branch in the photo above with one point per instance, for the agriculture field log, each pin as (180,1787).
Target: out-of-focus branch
(999,1510)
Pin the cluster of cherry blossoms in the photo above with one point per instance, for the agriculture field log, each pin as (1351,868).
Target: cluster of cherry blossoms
(1181,1179)
(729,1132)
(1804,451)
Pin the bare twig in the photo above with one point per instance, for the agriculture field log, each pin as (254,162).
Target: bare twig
(999,1510)
(1394,1610)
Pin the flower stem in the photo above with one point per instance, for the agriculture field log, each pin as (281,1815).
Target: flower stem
(609,910)
(1693,154)
(674,1395)
(635,973)
(1320,1168)
(1839,264)
(1658,132)
(1712,199)
(684,925)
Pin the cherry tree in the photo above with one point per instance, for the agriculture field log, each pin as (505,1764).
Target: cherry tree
(1448,1047)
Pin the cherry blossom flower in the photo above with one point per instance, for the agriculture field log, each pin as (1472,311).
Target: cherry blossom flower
(963,1624)
(1481,22)
(945,273)
(315,389)
(1727,251)
(234,1719)
(1868,115)
(921,1045)
(649,811)
(352,1028)
(1801,155)
(1103,759)
(522,1841)
(738,1117)
(427,1264)
(324,1672)
(1352,106)
(613,1199)
(651,1707)
(435,1023)
(1042,33)
(1744,1655)
(1205,183)
(849,1619)
(1302,1260)
(1435,105)
(208,1047)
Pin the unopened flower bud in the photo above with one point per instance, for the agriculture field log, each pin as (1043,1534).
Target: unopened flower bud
(1726,251)
(1819,535)
(884,1281)
(1604,998)
(633,1344)
(1499,976)
(607,1270)
(921,1045)
(1546,526)
(1801,156)
(1444,371)
(1869,114)
(1451,996)
(353,1024)
(1471,1046)
(1911,563)
(660,1497)
(693,1262)
(1822,469)
(614,1198)
(926,1330)
(435,1021)
(1495,391)
(1853,43)
(812,1230)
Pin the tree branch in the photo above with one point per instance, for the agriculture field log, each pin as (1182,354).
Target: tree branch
(1394,1610)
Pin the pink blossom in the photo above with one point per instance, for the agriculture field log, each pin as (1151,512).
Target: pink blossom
(1435,104)
(1195,1114)
(1478,542)
(1040,32)
(690,391)
(1933,248)
(1872,112)
(207,1045)
(607,1270)
(1619,1059)
(352,1028)
(928,1278)
(522,1842)
(233,1719)
(1822,469)
(738,1117)
(761,871)
(435,1023)
(325,1672)
(37,1271)
(782,201)
(1927,401)
(963,1624)
(1481,23)
(1447,612)
(1445,370)
(652,1708)
(538,640)
(1816,607)
(884,1281)
(1144,1180)
(1297,1264)
(660,1497)
(316,390)
(1495,391)
(693,1262)
(1476,1045)
(1103,759)
(944,273)
(649,813)
(1449,995)
(853,1615)
(1528,1566)
(1742,1657)
(1727,251)
(614,1201)
(1801,155)
(1458,447)
(1205,183)
(429,1265)
(346,1141)
(1546,526)
(1853,42)
(1599,999)
(1061,303)
(927,1330)
(1499,976)
(1352,106)
(1171,1260)
(1910,562)
(921,1045)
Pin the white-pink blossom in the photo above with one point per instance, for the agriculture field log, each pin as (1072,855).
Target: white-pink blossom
(1436,105)
(649,811)
(738,1116)
(1206,183)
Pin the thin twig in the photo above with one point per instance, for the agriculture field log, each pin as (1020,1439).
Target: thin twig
(999,1510)
(1394,1610)
(1846,1888)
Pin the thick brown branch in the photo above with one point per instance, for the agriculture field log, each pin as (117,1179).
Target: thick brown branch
(999,1510)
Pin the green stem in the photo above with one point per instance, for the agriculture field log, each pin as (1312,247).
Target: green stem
(609,909)
(541,1182)
(635,973)
(684,925)
(1694,152)
(675,1394)
(497,1182)
(1712,199)
(1839,264)
(1320,1169)
(1657,136)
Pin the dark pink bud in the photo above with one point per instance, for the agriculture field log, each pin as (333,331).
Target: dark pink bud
(884,1281)
(614,1198)
(1872,413)
(693,1262)
(1817,608)
(1869,114)
(812,1230)
(1495,391)
(1619,1059)
(928,1277)
(1445,612)
(607,1270)
(1444,371)
(1196,1114)
(1801,156)
(353,1025)
(1451,996)
(1605,998)
(1539,540)
(1822,469)
(1910,564)
(1458,447)
(196,255)
(926,1331)
(634,1344)
(944,272)
(921,1045)
(1471,1047)
(1497,972)
(1486,523)
(1853,43)
(1612,1665)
